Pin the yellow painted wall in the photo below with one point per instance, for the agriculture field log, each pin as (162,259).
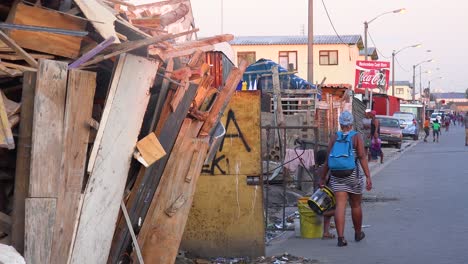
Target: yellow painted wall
(226,218)
(407,92)
(344,72)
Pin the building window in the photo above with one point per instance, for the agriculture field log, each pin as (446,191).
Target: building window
(248,56)
(288,60)
(400,90)
(328,57)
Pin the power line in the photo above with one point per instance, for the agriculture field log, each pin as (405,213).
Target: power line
(373,42)
(331,23)
(399,64)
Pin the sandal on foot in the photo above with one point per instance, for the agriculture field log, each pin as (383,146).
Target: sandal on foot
(359,237)
(342,242)
(328,236)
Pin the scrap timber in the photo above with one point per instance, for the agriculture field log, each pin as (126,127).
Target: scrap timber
(108,112)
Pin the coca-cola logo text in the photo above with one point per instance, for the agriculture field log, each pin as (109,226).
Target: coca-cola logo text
(374,79)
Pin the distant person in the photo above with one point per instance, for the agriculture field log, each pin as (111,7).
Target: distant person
(320,160)
(426,128)
(447,123)
(435,130)
(348,186)
(366,131)
(376,147)
(466,129)
(439,120)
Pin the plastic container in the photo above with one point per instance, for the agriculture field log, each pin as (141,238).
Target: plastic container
(310,222)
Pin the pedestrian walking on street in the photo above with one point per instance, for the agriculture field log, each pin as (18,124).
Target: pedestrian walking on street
(447,123)
(376,147)
(435,131)
(348,185)
(426,128)
(466,128)
(366,132)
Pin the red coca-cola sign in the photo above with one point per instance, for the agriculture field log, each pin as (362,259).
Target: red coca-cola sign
(372,75)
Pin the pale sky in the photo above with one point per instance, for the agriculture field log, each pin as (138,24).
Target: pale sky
(441,26)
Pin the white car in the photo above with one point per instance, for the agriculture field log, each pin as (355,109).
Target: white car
(405,118)
(434,117)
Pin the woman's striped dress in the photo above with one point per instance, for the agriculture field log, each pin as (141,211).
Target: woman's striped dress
(353,183)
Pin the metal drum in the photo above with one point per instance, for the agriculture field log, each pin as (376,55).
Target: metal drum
(322,200)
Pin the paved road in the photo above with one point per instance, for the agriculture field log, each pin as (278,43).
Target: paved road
(417,212)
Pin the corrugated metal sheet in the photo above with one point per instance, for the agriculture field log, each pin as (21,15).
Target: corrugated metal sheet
(370,51)
(359,112)
(220,68)
(296,40)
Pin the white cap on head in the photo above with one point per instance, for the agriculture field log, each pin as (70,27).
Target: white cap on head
(368,110)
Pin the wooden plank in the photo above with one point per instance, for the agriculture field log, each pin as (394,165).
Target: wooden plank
(101,18)
(49,105)
(6,136)
(39,226)
(172,16)
(79,105)
(145,185)
(88,55)
(56,44)
(11,107)
(188,48)
(16,57)
(19,67)
(5,223)
(23,160)
(163,228)
(10,72)
(223,99)
(107,180)
(14,120)
(150,149)
(105,114)
(21,52)
(129,46)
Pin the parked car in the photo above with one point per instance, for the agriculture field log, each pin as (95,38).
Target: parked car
(405,118)
(411,130)
(409,124)
(390,131)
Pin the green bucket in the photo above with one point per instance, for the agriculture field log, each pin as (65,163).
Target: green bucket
(311,223)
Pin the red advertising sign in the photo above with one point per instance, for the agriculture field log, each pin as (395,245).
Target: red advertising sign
(372,75)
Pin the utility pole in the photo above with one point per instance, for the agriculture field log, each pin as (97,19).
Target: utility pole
(310,48)
(222,16)
(414,82)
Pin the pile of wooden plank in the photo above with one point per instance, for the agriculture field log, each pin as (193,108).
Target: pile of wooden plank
(107,114)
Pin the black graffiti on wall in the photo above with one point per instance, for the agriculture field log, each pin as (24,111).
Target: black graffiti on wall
(216,163)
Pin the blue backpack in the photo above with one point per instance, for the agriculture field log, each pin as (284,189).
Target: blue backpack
(342,161)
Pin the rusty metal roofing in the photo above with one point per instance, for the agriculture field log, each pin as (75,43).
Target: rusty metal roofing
(297,40)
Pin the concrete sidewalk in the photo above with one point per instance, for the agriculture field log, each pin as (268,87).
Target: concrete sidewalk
(416,212)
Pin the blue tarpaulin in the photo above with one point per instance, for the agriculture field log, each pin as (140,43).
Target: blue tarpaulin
(253,77)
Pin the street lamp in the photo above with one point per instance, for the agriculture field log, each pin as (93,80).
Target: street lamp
(366,26)
(429,84)
(394,53)
(414,76)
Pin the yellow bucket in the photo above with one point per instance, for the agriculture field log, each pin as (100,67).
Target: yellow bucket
(311,223)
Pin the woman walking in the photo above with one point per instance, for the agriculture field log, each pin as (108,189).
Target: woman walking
(376,148)
(350,186)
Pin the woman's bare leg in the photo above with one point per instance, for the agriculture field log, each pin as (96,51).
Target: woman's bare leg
(340,210)
(356,211)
